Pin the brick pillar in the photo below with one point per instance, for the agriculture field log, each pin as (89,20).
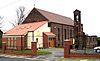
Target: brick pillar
(34,48)
(4,46)
(66,48)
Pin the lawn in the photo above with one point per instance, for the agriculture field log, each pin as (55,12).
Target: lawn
(39,52)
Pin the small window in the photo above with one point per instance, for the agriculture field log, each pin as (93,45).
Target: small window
(14,38)
(50,39)
(49,24)
(8,38)
(12,44)
(36,39)
(59,34)
(70,33)
(8,42)
(65,34)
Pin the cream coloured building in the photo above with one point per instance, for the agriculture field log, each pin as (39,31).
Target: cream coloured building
(37,35)
(22,35)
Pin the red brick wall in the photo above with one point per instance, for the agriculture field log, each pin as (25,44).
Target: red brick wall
(34,48)
(84,55)
(4,40)
(19,42)
(45,41)
(66,49)
(91,41)
(54,29)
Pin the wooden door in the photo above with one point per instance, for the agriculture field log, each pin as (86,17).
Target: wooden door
(51,43)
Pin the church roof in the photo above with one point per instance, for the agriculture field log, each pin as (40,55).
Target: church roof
(24,28)
(52,17)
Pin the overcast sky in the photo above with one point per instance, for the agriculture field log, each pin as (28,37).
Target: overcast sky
(90,11)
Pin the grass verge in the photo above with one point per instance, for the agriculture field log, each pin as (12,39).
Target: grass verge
(39,52)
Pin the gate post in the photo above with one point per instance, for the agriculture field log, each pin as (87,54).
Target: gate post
(34,48)
(66,48)
(3,46)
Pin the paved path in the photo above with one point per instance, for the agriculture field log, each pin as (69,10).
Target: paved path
(56,53)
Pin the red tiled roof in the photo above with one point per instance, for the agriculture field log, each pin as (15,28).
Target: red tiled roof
(24,28)
(49,33)
(52,17)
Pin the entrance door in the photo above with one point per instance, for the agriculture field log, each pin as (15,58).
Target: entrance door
(51,43)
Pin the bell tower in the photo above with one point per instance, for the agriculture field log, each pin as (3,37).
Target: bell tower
(77,15)
(78,29)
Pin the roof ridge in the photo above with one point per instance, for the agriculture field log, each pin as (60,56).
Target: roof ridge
(32,23)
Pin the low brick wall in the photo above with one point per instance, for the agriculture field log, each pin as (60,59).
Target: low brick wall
(17,53)
(67,52)
(28,54)
(4,50)
(84,55)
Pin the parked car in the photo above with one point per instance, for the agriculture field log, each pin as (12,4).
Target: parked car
(97,49)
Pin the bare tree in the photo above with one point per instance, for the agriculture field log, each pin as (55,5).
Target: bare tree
(14,23)
(20,16)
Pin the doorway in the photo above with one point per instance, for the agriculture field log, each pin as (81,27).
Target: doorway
(51,42)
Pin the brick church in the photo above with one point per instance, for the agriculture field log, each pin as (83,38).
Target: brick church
(61,26)
(47,29)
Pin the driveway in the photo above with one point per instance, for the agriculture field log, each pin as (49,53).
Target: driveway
(56,53)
